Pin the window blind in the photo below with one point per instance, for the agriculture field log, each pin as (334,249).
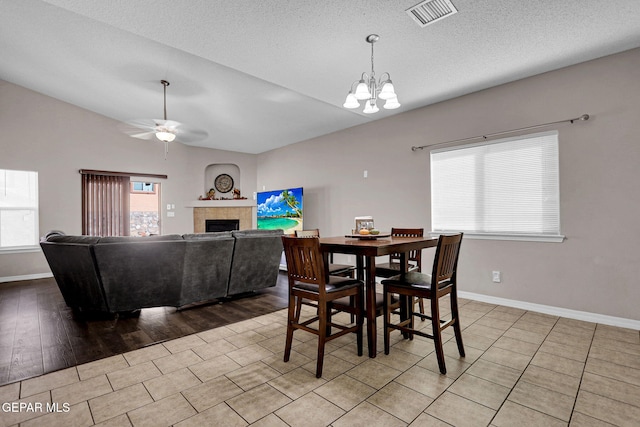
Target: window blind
(507,187)
(19,216)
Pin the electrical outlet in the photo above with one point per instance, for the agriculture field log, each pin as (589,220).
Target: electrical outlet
(497,276)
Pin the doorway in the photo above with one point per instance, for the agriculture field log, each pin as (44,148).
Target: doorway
(144,209)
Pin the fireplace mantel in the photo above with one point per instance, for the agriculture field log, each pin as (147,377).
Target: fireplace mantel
(221,203)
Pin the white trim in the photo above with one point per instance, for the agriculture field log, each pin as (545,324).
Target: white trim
(20,249)
(25,277)
(555,311)
(559,238)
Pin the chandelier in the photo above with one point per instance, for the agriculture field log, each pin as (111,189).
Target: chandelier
(369,89)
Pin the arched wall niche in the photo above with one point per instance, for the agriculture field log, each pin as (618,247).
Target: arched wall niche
(216,169)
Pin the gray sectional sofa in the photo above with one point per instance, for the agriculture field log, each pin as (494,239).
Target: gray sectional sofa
(119,274)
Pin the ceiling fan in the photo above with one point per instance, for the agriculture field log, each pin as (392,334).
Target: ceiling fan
(162,129)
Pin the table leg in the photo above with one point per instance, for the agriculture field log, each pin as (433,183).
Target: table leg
(370,304)
(404,301)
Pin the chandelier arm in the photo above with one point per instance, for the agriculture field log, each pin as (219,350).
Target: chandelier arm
(381,80)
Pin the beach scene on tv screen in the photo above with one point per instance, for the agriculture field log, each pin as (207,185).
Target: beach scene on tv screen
(280,209)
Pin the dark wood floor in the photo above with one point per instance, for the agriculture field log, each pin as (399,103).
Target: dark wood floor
(40,334)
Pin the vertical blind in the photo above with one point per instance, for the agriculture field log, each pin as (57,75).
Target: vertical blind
(505,187)
(105,205)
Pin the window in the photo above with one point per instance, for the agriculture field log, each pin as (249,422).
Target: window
(502,189)
(18,209)
(142,187)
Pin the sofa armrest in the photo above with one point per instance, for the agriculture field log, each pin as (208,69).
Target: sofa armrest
(207,264)
(256,260)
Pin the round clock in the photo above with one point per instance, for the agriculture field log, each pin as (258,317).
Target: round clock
(223,183)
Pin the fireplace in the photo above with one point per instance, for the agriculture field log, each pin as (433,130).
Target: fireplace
(214,225)
(243,211)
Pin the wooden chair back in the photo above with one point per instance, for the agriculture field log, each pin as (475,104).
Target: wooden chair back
(413,256)
(308,233)
(446,262)
(304,261)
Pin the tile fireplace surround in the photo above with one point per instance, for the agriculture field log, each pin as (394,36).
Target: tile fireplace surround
(242,210)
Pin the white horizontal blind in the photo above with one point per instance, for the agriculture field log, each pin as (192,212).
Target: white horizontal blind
(506,187)
(18,209)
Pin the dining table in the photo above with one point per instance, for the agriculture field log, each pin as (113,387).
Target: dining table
(366,249)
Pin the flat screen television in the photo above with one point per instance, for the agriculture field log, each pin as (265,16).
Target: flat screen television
(280,209)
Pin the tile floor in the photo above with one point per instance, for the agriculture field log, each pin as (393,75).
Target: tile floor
(521,368)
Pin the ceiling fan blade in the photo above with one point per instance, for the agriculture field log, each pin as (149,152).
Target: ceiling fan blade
(189,134)
(140,129)
(171,124)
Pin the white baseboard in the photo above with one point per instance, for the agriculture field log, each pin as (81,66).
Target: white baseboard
(25,277)
(555,311)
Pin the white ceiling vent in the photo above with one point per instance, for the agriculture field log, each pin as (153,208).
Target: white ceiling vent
(430,11)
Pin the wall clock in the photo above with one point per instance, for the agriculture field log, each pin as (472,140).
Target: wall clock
(223,183)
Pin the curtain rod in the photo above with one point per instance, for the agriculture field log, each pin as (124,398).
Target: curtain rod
(582,118)
(111,173)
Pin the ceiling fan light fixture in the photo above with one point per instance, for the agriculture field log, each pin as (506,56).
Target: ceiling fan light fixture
(165,136)
(162,130)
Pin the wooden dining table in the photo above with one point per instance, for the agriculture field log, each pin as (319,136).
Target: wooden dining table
(366,250)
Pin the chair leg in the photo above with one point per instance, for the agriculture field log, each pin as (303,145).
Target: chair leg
(421,306)
(410,311)
(291,318)
(351,302)
(298,306)
(387,320)
(360,321)
(437,335)
(456,325)
(322,336)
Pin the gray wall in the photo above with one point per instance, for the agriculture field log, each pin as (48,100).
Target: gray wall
(57,139)
(596,269)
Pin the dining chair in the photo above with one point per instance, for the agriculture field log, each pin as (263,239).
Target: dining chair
(414,258)
(308,281)
(441,282)
(334,269)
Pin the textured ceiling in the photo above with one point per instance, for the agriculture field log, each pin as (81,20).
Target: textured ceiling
(257,75)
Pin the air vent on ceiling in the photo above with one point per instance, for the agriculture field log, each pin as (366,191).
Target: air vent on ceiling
(430,11)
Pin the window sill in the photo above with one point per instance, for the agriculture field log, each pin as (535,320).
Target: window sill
(20,250)
(516,237)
